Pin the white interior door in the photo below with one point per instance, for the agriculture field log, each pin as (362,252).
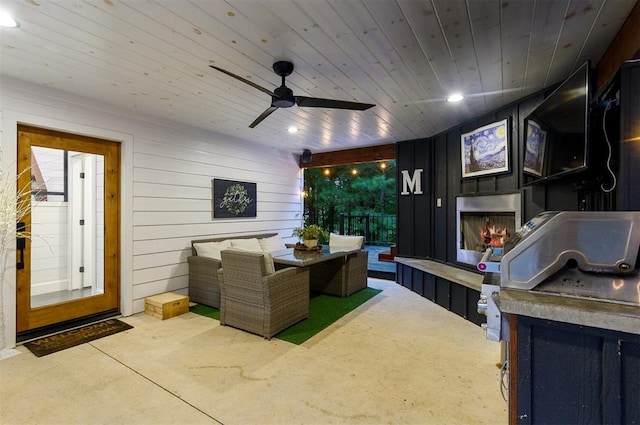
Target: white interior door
(82,221)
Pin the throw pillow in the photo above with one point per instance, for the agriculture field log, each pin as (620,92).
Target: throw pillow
(345,243)
(211,249)
(247,244)
(269,267)
(274,243)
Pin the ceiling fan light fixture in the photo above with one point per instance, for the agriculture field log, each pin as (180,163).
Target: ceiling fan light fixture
(283,98)
(7,21)
(456,97)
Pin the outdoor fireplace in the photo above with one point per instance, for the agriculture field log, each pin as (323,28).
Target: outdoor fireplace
(485,222)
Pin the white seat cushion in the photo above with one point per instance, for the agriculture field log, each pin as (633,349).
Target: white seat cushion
(344,243)
(211,249)
(274,243)
(247,244)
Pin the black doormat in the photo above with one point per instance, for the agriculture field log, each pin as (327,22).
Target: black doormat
(53,343)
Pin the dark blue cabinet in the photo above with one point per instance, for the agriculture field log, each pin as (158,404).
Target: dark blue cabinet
(453,296)
(569,374)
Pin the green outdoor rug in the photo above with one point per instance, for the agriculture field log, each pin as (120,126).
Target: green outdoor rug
(205,310)
(323,311)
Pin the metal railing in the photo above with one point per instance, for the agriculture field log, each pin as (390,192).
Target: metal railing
(376,229)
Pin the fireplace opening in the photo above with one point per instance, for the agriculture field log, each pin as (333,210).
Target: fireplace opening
(485,230)
(485,221)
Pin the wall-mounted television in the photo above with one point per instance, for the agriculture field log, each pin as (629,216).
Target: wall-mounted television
(556,133)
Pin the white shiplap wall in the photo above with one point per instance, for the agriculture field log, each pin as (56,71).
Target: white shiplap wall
(166,185)
(49,249)
(49,221)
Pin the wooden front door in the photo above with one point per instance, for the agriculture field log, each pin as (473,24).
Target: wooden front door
(71,257)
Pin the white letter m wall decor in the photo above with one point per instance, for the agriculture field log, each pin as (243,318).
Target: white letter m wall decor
(412,184)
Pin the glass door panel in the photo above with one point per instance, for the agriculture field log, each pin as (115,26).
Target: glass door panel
(67,223)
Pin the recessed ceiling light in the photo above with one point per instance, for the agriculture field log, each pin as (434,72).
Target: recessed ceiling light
(7,20)
(292,129)
(456,97)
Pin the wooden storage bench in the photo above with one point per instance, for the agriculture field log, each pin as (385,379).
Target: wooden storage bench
(167,305)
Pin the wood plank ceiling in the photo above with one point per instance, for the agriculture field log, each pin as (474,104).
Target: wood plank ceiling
(152,57)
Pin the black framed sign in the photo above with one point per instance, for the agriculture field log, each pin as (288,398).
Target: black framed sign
(233,199)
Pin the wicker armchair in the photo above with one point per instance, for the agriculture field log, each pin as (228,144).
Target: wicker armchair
(204,287)
(342,276)
(256,299)
(345,275)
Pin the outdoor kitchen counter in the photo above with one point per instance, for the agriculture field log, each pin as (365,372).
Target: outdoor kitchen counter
(453,274)
(579,311)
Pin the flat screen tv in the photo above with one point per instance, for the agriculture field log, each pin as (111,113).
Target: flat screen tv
(556,133)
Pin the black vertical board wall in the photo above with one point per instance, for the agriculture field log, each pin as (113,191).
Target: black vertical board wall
(414,210)
(405,205)
(534,201)
(422,223)
(440,240)
(560,197)
(454,173)
(510,181)
(628,198)
(630,372)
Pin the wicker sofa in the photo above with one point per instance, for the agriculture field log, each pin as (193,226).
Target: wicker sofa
(204,286)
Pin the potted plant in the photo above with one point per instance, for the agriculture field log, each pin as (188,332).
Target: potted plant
(310,234)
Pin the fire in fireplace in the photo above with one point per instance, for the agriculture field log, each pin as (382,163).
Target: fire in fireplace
(485,222)
(494,237)
(485,229)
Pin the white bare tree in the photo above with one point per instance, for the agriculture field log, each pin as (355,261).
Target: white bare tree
(14,207)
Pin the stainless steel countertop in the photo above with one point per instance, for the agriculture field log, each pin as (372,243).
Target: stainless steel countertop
(580,311)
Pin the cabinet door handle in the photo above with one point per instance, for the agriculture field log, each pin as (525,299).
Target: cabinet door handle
(21,244)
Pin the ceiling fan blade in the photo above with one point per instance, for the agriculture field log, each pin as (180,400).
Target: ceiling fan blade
(244,80)
(263,115)
(314,102)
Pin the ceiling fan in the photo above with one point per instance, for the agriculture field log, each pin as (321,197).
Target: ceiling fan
(282,97)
